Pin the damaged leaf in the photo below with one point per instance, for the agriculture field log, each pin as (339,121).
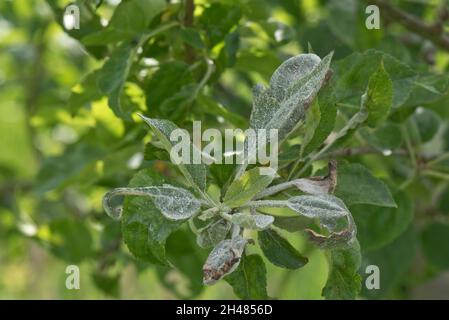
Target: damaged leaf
(319,185)
(223,259)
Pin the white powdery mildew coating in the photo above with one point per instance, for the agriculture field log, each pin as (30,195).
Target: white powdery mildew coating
(291,71)
(195,173)
(312,186)
(252,221)
(174,203)
(213,233)
(318,206)
(292,89)
(223,259)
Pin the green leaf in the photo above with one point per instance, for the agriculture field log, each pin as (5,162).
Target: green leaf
(84,93)
(346,21)
(313,117)
(90,22)
(249,281)
(428,88)
(261,62)
(386,136)
(109,284)
(357,185)
(216,109)
(344,282)
(320,120)
(426,123)
(293,87)
(293,224)
(134,16)
(144,228)
(332,214)
(166,82)
(251,221)
(279,251)
(112,77)
(217,20)
(213,233)
(58,171)
(352,76)
(318,206)
(393,260)
(130,19)
(192,37)
(223,259)
(377,227)
(378,96)
(194,173)
(187,259)
(247,186)
(435,240)
(173,202)
(69,240)
(443,201)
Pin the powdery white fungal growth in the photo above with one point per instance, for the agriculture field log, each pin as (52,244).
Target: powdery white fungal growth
(223,259)
(173,202)
(318,206)
(336,239)
(252,221)
(292,89)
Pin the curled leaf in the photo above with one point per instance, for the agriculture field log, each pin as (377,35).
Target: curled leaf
(336,239)
(223,259)
(331,212)
(312,185)
(319,185)
(173,202)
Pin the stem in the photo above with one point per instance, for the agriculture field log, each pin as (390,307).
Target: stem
(436,174)
(317,156)
(33,86)
(438,159)
(295,166)
(352,124)
(156,31)
(188,22)
(360,151)
(193,226)
(210,69)
(411,152)
(266,204)
(274,189)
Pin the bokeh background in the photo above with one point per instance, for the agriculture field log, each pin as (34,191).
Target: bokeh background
(56,165)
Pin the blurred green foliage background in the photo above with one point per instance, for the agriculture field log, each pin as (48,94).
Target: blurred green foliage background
(57,159)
